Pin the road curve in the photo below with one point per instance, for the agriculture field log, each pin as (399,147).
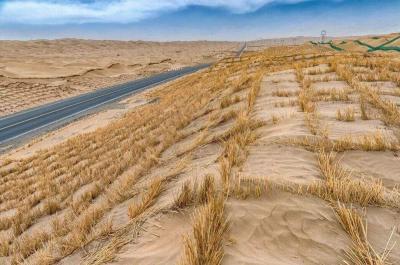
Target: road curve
(17,126)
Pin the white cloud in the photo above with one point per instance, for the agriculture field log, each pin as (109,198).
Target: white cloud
(120,11)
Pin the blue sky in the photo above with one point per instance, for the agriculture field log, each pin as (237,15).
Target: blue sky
(194,19)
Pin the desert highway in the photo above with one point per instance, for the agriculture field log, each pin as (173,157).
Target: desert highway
(242,49)
(26,123)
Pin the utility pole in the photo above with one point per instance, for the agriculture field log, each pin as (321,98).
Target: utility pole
(323,37)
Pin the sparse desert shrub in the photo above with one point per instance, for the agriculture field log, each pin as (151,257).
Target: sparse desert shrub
(275,119)
(347,115)
(338,95)
(312,122)
(370,142)
(318,71)
(204,246)
(284,93)
(60,225)
(306,101)
(206,190)
(243,126)
(225,171)
(228,100)
(249,187)
(282,104)
(103,229)
(185,197)
(377,142)
(363,108)
(241,83)
(254,90)
(86,198)
(147,200)
(226,117)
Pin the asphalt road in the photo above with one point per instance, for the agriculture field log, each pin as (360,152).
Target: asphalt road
(21,125)
(242,49)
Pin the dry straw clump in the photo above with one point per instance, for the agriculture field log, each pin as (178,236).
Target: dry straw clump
(249,187)
(370,142)
(284,93)
(228,100)
(339,184)
(148,199)
(307,93)
(286,103)
(363,108)
(361,251)
(204,246)
(347,115)
(376,141)
(306,100)
(185,196)
(332,94)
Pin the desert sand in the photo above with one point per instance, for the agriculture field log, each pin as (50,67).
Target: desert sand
(289,155)
(36,72)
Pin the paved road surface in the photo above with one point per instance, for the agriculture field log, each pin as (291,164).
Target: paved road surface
(23,124)
(241,51)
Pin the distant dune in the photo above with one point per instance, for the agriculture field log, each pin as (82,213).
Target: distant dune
(40,71)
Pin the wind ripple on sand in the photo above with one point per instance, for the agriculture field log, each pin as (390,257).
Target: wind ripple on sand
(284,229)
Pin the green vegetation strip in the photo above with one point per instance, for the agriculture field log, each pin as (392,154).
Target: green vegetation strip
(335,47)
(390,48)
(328,43)
(388,42)
(381,47)
(364,44)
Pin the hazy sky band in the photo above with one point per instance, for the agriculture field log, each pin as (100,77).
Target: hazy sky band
(214,20)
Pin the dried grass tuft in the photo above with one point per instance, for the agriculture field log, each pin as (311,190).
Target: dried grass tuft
(185,196)
(339,185)
(361,251)
(204,246)
(148,199)
(347,115)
